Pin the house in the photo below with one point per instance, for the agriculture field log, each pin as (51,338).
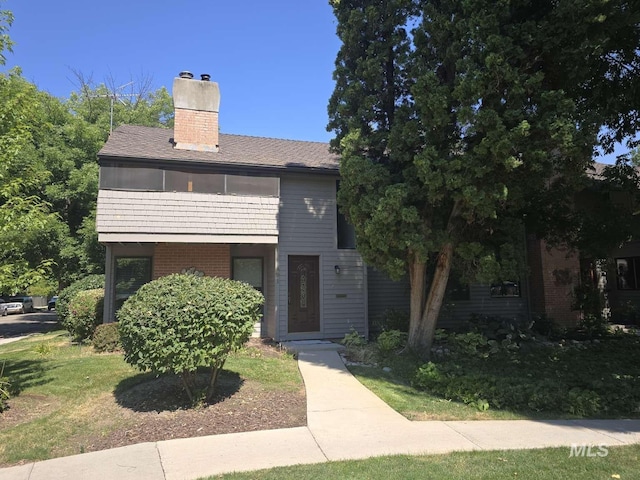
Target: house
(264,211)
(259,210)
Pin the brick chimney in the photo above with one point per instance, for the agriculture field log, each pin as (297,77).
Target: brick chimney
(196,113)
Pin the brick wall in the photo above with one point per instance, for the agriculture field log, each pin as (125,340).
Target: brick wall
(212,259)
(554,274)
(195,129)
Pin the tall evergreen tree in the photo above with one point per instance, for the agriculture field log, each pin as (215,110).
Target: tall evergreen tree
(458,121)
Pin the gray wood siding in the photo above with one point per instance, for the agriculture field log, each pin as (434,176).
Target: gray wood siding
(386,294)
(185,213)
(457,313)
(307,226)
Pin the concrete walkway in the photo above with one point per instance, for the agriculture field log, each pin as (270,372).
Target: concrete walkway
(345,421)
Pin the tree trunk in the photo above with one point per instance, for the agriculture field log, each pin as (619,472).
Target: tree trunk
(424,317)
(213,379)
(417,271)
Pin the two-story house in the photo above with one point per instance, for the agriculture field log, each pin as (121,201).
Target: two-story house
(259,210)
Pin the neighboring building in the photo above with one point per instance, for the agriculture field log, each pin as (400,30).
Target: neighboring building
(259,210)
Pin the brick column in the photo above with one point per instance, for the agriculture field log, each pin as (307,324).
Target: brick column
(555,272)
(212,259)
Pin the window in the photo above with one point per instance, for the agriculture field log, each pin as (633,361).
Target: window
(243,185)
(192,182)
(131,274)
(121,177)
(505,289)
(131,178)
(249,270)
(628,273)
(346,232)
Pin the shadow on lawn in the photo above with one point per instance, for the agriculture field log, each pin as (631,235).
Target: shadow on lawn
(24,374)
(146,393)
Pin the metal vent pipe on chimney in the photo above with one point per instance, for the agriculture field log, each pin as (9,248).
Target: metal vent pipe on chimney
(205,77)
(186,74)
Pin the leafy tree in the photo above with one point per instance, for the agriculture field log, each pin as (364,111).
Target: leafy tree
(22,212)
(6,44)
(457,122)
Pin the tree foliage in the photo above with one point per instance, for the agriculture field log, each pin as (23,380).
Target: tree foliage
(458,122)
(49,171)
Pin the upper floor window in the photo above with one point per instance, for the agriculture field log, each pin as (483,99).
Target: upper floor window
(126,177)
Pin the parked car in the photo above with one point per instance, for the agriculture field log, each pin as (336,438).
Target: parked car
(20,305)
(51,304)
(3,308)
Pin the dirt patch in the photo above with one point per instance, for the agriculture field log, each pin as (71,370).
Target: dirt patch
(157,409)
(27,407)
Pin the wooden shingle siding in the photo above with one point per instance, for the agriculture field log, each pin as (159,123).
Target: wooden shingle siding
(185,213)
(307,226)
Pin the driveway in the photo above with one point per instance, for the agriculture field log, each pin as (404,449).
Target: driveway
(15,326)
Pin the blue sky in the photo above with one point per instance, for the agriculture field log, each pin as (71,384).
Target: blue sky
(272,59)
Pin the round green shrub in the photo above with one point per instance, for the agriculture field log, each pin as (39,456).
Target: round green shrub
(85,313)
(87,283)
(183,322)
(106,338)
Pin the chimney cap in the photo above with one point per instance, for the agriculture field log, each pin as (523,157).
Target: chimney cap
(186,74)
(205,77)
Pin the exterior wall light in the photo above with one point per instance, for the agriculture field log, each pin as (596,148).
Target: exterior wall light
(337,269)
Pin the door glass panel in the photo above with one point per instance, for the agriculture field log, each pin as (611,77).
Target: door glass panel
(303,287)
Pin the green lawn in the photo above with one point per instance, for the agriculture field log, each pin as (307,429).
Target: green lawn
(543,464)
(60,388)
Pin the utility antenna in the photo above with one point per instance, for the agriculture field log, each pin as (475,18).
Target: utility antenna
(113,96)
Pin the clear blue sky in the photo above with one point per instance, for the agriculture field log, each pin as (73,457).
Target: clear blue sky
(273,59)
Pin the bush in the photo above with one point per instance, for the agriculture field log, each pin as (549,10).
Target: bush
(353,339)
(182,322)
(390,340)
(501,328)
(87,283)
(106,338)
(85,313)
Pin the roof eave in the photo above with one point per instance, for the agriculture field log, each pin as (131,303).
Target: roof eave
(173,162)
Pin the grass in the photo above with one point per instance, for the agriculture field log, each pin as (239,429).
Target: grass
(58,389)
(394,388)
(595,380)
(543,464)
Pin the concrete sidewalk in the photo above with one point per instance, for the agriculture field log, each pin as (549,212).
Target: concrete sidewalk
(345,421)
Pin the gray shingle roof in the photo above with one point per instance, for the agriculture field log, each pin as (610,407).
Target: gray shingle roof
(150,143)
